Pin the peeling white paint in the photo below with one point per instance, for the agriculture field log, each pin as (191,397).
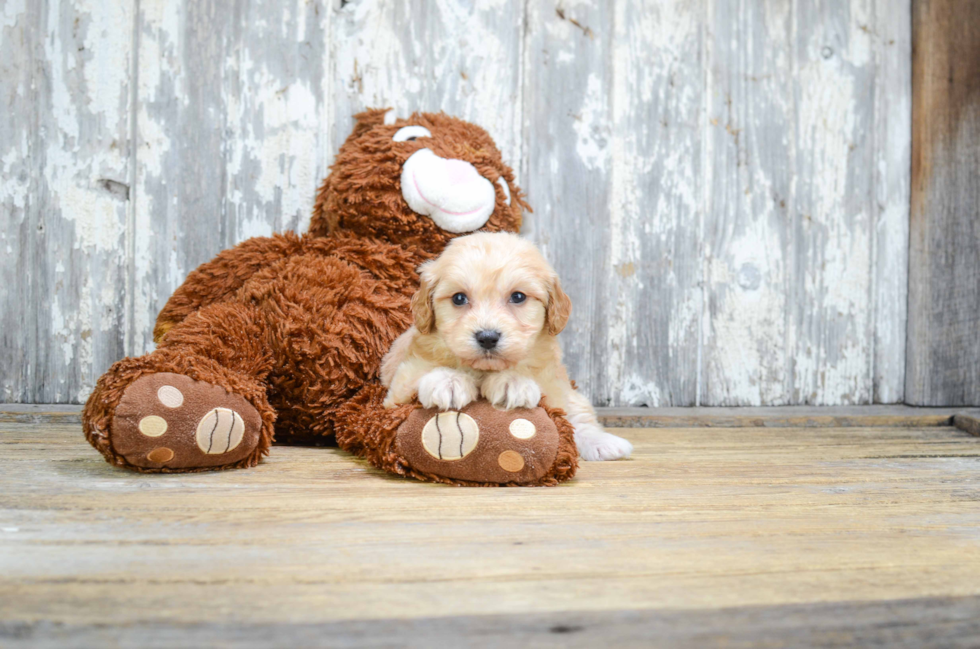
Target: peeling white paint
(591,125)
(12,12)
(462,59)
(735,162)
(64,160)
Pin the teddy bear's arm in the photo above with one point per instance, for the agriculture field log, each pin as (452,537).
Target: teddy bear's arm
(219,278)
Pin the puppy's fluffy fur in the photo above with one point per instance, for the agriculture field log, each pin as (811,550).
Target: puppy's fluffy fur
(494,283)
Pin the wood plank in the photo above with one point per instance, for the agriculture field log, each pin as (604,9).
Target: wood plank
(567,163)
(65,81)
(234,134)
(820,624)
(711,417)
(969,421)
(18,214)
(646,317)
(789,236)
(778,417)
(831,333)
(943,364)
(748,236)
(744,521)
(892,39)
(411,55)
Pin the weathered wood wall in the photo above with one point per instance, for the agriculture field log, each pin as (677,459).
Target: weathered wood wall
(944,269)
(722,185)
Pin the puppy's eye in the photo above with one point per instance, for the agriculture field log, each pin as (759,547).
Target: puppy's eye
(460,299)
(517,297)
(410,133)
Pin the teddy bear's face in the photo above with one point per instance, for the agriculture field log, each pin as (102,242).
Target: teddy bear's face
(420,181)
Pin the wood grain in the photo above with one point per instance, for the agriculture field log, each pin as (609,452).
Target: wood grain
(968,420)
(723,187)
(749,211)
(65,85)
(893,416)
(912,623)
(412,55)
(744,523)
(791,231)
(648,286)
(943,362)
(567,123)
(892,41)
(233,134)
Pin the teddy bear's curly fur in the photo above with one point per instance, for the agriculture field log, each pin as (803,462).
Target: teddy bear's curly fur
(282,337)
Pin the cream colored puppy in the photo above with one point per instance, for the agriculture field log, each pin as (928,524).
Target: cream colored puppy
(486,315)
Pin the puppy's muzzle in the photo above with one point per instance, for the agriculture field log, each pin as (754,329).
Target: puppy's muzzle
(487,338)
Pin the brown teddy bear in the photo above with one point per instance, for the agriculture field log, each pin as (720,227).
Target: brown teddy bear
(282,337)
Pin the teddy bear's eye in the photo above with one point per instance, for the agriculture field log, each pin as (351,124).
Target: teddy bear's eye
(460,299)
(409,133)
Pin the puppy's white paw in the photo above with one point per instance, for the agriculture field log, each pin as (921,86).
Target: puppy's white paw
(595,444)
(447,389)
(509,390)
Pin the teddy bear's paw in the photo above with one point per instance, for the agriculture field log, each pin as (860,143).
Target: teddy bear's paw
(479,443)
(171,421)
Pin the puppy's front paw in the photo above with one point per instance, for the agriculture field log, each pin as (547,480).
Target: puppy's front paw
(509,390)
(595,444)
(446,389)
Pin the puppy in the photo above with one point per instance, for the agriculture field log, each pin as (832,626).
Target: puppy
(486,316)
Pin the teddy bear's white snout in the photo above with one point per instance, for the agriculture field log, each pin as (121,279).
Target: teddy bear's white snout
(450,192)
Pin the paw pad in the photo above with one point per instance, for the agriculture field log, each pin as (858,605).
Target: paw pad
(170,396)
(522,429)
(510,461)
(153,426)
(450,436)
(220,431)
(161,455)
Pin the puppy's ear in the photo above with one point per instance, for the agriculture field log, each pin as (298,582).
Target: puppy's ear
(425,318)
(558,309)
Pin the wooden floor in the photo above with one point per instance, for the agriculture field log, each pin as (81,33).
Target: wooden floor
(708,537)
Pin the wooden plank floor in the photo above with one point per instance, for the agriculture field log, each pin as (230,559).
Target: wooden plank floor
(708,537)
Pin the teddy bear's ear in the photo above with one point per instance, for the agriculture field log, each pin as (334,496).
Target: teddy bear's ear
(372,117)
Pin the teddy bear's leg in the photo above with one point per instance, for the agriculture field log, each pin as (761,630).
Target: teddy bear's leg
(198,402)
(479,445)
(216,280)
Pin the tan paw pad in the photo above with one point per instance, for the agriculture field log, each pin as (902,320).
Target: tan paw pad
(170,396)
(510,461)
(220,431)
(450,436)
(522,429)
(160,455)
(153,426)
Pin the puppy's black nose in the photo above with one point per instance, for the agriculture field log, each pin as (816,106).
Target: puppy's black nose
(487,339)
